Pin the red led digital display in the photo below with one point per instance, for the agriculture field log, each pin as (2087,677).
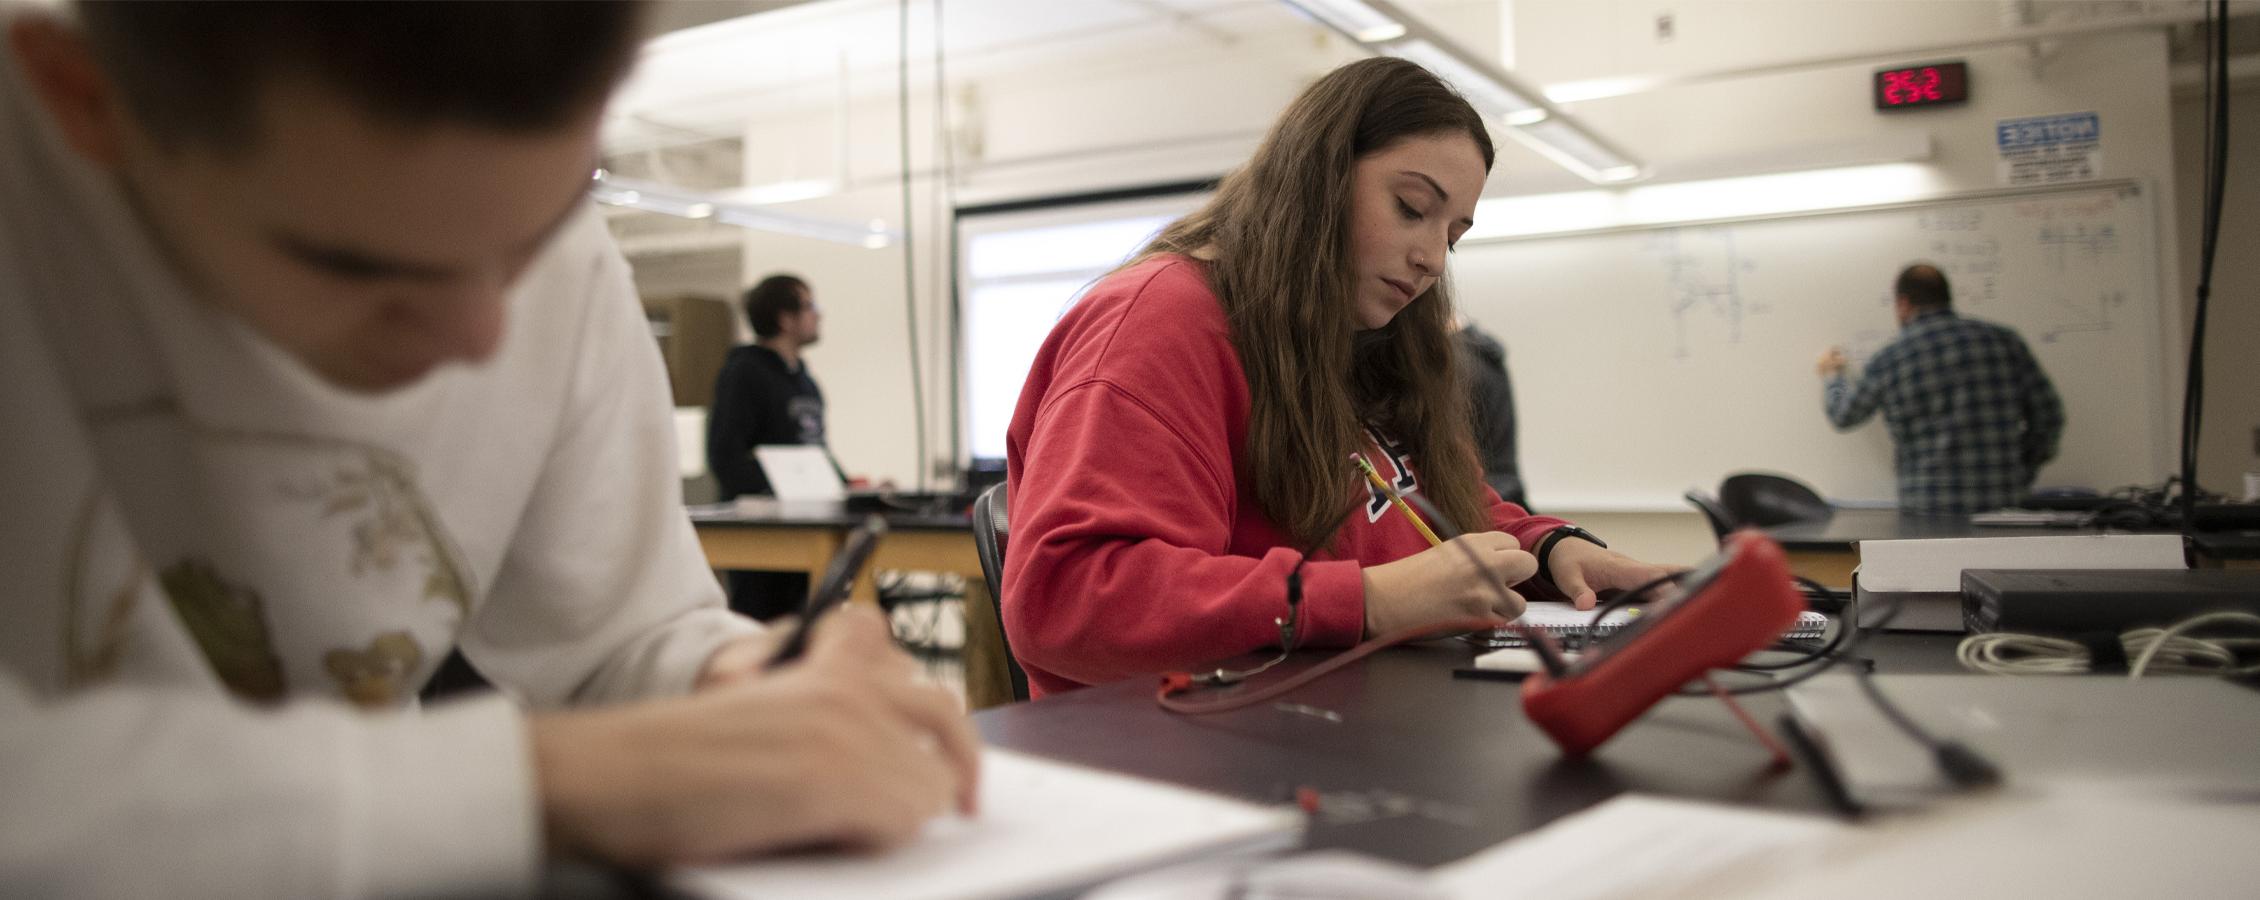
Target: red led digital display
(1925,85)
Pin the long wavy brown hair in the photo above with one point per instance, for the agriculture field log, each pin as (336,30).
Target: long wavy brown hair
(1278,229)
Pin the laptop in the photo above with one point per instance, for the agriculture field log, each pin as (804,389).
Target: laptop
(801,474)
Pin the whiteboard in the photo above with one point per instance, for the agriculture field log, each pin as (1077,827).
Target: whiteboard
(1650,360)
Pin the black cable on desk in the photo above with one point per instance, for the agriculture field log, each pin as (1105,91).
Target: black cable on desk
(1962,765)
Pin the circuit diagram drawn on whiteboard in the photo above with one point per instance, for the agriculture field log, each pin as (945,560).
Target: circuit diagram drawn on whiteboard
(1650,360)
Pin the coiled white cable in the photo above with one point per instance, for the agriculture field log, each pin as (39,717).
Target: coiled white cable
(2006,653)
(2154,651)
(2216,656)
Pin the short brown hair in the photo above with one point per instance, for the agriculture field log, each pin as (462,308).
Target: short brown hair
(192,72)
(767,303)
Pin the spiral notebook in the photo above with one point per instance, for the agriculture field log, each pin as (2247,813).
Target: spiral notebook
(1574,627)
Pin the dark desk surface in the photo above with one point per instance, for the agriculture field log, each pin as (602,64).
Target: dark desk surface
(1421,767)
(2228,544)
(1851,526)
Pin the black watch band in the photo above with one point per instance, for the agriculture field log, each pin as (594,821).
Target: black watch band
(1546,546)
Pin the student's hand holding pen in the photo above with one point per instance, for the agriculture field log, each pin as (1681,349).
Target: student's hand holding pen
(843,747)
(743,658)
(1448,582)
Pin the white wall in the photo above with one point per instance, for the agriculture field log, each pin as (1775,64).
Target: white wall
(1809,105)
(1183,108)
(2232,378)
(2120,76)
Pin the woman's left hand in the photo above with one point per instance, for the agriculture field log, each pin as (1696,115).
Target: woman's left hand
(1581,569)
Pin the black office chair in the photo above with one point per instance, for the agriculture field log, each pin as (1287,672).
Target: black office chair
(990,527)
(1721,522)
(1765,500)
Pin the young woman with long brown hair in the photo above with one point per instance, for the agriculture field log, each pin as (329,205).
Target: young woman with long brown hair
(1184,439)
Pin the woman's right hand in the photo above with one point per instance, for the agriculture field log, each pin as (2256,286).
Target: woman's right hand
(1464,577)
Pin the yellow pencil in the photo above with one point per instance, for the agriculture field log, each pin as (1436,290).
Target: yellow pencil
(1402,506)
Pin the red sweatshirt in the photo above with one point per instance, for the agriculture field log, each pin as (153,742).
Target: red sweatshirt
(1135,546)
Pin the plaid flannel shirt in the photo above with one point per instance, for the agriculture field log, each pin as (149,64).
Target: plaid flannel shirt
(1971,414)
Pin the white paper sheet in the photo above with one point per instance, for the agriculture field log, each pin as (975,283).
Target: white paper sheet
(1044,827)
(1637,846)
(2072,840)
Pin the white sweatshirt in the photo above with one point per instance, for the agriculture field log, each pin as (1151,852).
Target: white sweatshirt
(222,580)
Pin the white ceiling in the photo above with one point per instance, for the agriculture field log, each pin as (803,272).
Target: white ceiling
(705,81)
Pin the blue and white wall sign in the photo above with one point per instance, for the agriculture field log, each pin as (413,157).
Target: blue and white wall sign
(2050,149)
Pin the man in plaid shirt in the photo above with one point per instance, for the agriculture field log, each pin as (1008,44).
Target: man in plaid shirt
(1972,416)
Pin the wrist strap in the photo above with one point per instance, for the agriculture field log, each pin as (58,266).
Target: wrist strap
(1546,547)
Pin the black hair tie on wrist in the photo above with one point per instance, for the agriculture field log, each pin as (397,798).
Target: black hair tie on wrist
(1546,547)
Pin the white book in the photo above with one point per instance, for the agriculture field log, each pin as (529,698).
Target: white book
(1045,828)
(1638,846)
(1923,577)
(1935,565)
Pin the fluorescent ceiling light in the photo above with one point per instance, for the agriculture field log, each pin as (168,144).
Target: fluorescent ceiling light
(1700,201)
(613,190)
(1574,147)
(1598,89)
(1754,195)
(1361,21)
(1484,90)
(784,191)
(1381,27)
(1379,33)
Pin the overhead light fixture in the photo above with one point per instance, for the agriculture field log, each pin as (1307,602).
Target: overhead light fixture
(1389,32)
(613,190)
(1488,92)
(1706,200)
(1381,27)
(1598,89)
(1576,149)
(786,191)
(1359,20)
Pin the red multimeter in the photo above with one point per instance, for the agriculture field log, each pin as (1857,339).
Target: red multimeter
(1736,603)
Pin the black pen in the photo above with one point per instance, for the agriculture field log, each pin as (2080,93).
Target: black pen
(839,579)
(1490,674)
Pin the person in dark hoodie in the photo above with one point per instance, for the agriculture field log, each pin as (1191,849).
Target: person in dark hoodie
(764,395)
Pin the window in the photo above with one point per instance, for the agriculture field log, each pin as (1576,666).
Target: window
(1019,272)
